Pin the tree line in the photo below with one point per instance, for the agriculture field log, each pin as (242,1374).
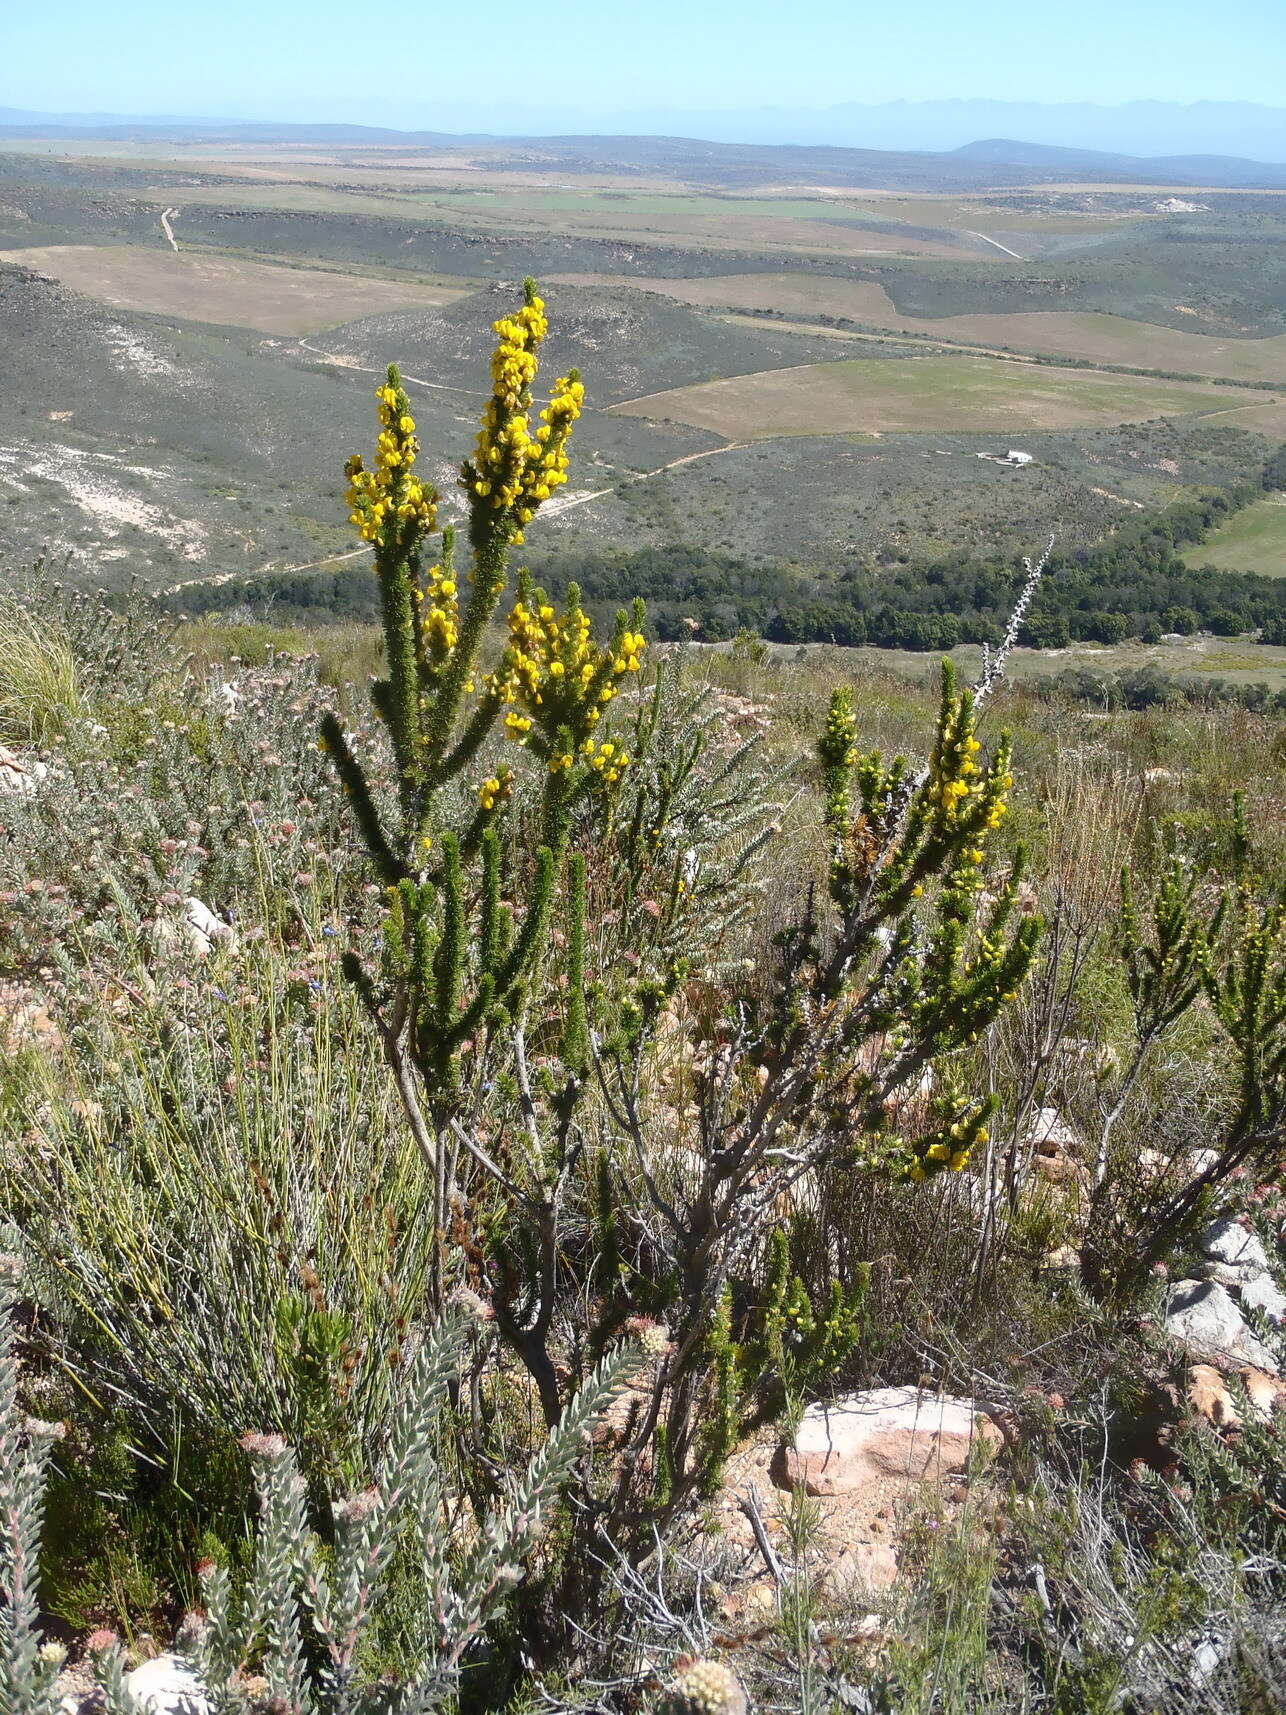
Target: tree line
(1136,583)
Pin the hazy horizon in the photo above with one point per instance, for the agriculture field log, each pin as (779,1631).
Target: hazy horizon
(728,70)
(1255,131)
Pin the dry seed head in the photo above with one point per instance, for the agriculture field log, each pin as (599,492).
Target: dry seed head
(704,1688)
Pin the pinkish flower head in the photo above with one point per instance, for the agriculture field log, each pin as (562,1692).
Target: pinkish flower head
(261,1446)
(472,1303)
(356,1508)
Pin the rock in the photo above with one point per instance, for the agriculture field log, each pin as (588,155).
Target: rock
(1059,1169)
(166,1685)
(1049,1134)
(1206,1659)
(197,932)
(1065,1256)
(1263,1293)
(868,1438)
(25,1020)
(19,779)
(203,923)
(1209,1397)
(864,1566)
(1236,1247)
(1266,1393)
(1203,1318)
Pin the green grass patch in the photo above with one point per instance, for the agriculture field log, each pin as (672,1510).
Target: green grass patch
(1254,540)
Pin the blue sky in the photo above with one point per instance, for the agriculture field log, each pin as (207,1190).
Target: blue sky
(403,66)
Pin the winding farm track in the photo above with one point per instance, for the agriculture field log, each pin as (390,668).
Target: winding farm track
(168,230)
(554,509)
(342,362)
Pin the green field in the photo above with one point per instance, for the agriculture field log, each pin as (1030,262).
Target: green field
(918,393)
(1196,658)
(1253,540)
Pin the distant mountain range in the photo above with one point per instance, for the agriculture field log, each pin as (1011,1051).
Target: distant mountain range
(971,165)
(1246,130)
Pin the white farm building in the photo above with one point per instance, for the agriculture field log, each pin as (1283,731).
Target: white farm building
(1012,457)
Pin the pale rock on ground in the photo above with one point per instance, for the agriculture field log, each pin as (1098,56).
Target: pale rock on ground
(166,1685)
(198,930)
(1057,1149)
(1235,1247)
(899,1444)
(1203,1318)
(1239,1261)
(1210,1396)
(1263,1294)
(1184,1167)
(206,928)
(884,1432)
(25,1020)
(19,779)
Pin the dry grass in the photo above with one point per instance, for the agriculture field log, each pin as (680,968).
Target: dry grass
(1062,333)
(227,290)
(918,393)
